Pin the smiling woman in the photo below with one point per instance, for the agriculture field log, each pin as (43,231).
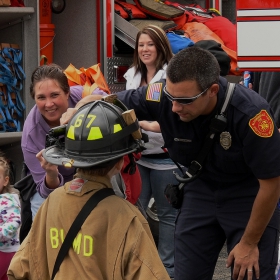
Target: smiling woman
(53,96)
(50,90)
(51,101)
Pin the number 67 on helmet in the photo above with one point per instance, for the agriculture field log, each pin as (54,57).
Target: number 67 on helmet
(98,132)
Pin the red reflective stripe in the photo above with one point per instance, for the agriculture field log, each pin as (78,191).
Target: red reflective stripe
(266,18)
(217,5)
(109,15)
(98,28)
(258,58)
(277,69)
(254,4)
(207,4)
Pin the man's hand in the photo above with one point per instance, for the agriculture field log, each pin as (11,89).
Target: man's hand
(66,117)
(246,259)
(250,84)
(245,255)
(87,99)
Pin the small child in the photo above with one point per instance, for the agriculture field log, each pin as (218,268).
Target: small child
(9,219)
(114,241)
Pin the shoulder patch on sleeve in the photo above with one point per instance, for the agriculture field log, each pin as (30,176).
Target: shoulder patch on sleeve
(154,92)
(262,124)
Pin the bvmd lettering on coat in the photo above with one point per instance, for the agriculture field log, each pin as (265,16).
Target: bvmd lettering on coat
(86,242)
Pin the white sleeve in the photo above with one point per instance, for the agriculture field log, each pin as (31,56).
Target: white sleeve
(10,218)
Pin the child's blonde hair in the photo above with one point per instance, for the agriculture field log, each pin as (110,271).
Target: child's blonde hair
(6,168)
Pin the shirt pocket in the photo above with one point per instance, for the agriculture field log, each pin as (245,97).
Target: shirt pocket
(229,161)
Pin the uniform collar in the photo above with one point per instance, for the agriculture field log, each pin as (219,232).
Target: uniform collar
(221,94)
(204,119)
(82,184)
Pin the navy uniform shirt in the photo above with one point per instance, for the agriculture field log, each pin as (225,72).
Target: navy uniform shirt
(254,151)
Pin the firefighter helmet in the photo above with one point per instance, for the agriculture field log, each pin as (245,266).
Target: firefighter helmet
(96,133)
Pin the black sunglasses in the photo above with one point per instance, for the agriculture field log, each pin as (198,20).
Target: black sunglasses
(182,100)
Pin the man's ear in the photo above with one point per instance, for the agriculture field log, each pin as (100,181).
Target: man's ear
(214,90)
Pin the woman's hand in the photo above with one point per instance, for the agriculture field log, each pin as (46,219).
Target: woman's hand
(52,180)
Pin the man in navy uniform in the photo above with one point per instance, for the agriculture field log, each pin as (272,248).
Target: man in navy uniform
(234,199)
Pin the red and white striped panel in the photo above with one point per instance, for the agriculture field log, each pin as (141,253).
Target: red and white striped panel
(258,42)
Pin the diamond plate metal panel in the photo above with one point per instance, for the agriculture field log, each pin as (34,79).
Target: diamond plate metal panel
(116,61)
(229,10)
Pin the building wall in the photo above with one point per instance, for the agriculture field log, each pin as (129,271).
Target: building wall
(75,34)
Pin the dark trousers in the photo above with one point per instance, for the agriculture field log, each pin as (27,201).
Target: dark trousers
(209,216)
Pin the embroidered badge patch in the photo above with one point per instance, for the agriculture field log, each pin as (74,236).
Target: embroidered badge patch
(154,92)
(262,124)
(77,184)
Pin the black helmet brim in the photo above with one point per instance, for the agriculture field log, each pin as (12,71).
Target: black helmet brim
(57,156)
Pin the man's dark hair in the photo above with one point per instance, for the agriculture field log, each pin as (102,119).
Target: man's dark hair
(194,64)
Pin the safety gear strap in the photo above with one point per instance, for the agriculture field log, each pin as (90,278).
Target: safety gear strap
(77,224)
(217,125)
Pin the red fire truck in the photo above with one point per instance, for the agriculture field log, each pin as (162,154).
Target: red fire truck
(257,48)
